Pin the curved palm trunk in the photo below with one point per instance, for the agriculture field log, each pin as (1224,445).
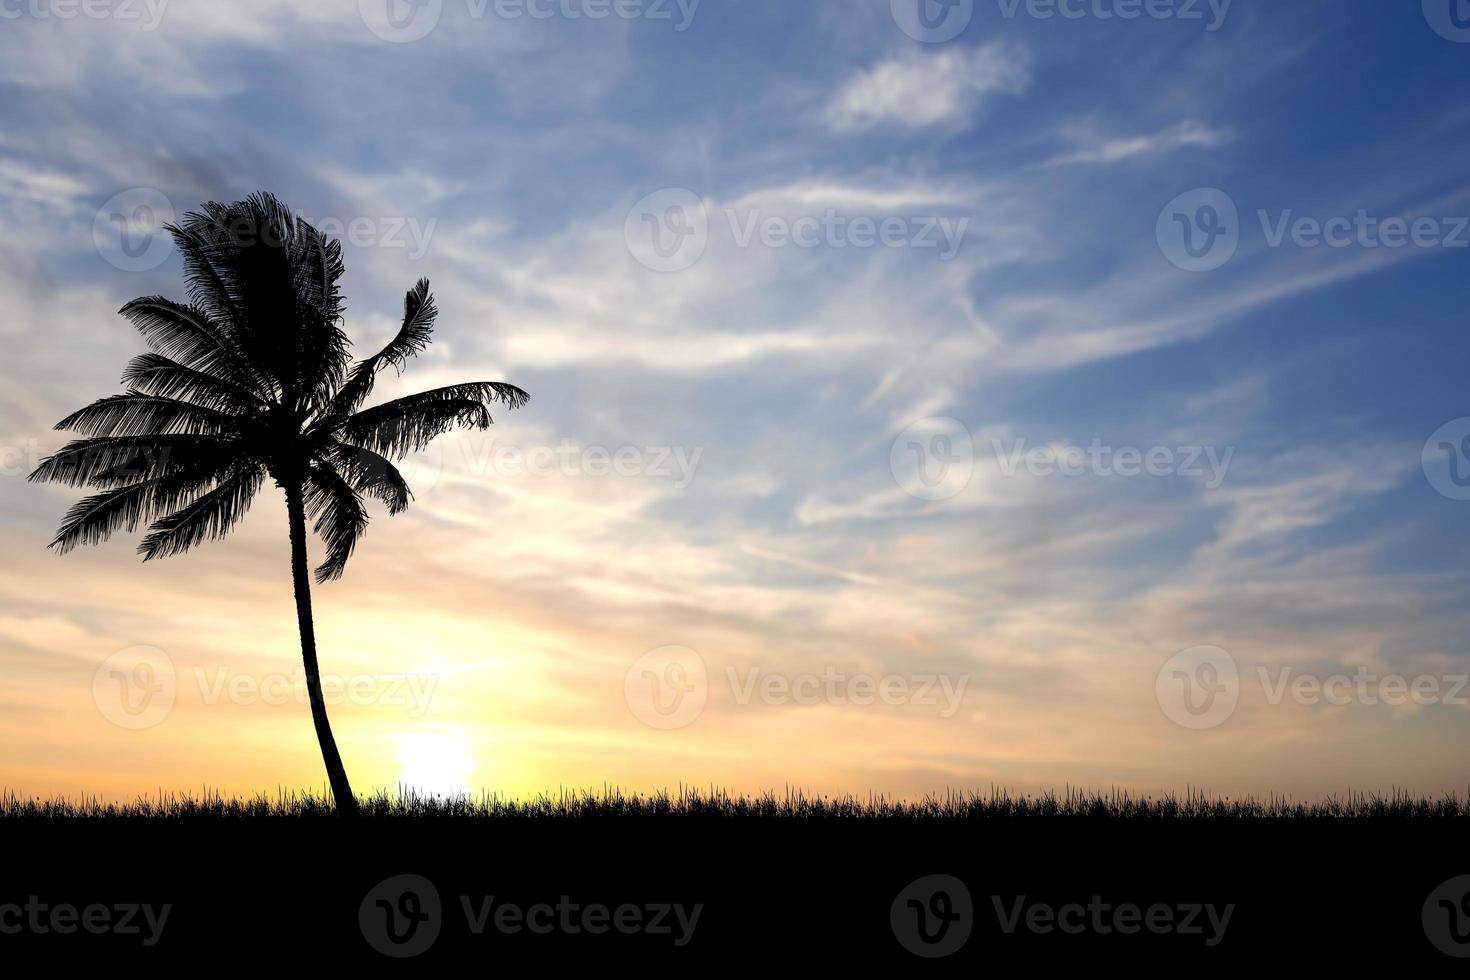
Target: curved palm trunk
(300,576)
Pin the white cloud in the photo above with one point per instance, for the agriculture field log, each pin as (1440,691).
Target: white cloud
(922,90)
(1117,149)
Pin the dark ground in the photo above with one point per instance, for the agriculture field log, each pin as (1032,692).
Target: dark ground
(775,890)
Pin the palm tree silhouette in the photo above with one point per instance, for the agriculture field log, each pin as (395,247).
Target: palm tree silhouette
(250,379)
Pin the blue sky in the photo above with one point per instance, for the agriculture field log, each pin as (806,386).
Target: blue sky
(507,158)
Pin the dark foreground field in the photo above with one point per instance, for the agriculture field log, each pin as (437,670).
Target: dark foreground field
(969,882)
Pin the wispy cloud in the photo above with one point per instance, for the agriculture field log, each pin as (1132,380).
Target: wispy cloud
(919,90)
(1185,135)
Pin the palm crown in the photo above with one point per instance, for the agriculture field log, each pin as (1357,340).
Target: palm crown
(253,378)
(249,379)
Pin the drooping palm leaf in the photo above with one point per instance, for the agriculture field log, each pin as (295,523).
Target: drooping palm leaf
(407,425)
(419,314)
(208,518)
(157,375)
(137,414)
(340,518)
(370,474)
(112,461)
(94,519)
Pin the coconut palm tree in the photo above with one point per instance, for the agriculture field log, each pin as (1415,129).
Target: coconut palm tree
(251,379)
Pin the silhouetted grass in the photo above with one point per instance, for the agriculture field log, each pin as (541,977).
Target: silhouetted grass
(718,806)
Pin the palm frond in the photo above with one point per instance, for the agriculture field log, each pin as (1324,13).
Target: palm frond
(408,424)
(419,314)
(209,517)
(157,375)
(93,519)
(137,414)
(111,461)
(340,518)
(369,473)
(188,335)
(196,241)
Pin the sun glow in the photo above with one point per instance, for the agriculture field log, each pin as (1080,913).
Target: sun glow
(435,764)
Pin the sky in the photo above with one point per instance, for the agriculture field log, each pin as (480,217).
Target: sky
(987,393)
